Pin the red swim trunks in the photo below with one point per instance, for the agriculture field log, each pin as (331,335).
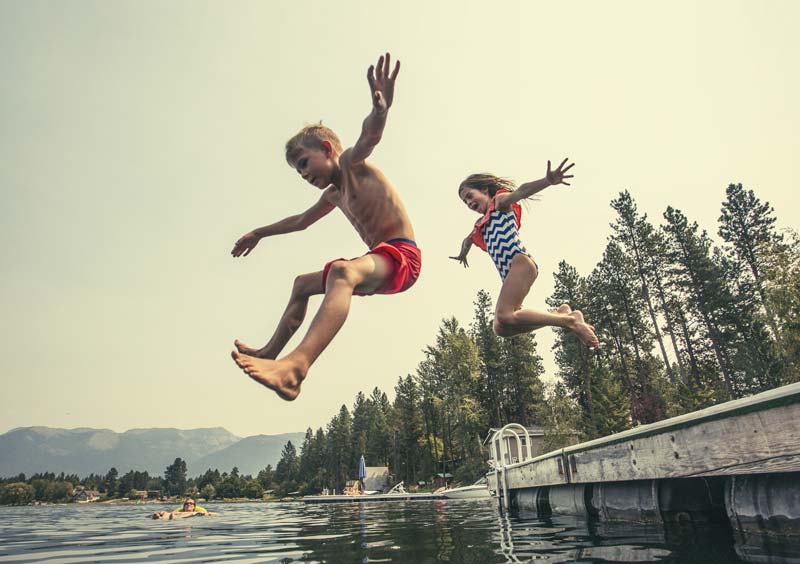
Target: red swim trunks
(406,259)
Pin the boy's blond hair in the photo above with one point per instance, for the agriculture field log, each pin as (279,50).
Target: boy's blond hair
(311,137)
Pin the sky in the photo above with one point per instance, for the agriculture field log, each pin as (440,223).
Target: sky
(140,140)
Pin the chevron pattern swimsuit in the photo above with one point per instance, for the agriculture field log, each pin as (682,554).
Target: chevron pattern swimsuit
(502,240)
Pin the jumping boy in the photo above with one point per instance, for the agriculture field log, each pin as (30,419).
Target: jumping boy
(371,204)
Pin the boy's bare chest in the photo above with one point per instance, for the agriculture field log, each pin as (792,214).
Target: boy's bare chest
(355,200)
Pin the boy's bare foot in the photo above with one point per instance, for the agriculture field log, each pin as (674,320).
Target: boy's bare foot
(283,377)
(562,309)
(250,351)
(583,330)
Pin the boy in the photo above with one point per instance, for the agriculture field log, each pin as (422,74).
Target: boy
(372,206)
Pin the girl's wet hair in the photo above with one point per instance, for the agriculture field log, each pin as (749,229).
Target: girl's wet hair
(488,182)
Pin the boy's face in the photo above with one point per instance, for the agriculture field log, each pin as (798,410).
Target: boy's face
(316,166)
(476,200)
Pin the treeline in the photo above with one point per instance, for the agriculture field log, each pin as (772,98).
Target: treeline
(60,488)
(683,324)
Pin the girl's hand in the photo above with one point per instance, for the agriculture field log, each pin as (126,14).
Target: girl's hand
(245,244)
(558,175)
(462,256)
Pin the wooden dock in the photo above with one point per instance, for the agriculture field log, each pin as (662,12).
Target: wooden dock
(747,451)
(759,434)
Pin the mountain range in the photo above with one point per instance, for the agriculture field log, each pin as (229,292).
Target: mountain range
(84,451)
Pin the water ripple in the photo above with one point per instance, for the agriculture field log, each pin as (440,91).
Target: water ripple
(472,532)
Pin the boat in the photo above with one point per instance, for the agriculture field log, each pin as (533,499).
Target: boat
(479,489)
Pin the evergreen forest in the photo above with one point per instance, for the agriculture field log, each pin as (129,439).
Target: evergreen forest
(685,321)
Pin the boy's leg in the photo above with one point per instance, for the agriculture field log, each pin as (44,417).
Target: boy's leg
(511,320)
(365,274)
(305,286)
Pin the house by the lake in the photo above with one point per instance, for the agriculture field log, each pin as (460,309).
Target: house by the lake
(82,495)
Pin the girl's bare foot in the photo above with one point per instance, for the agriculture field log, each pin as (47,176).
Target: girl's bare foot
(562,309)
(250,351)
(283,377)
(583,330)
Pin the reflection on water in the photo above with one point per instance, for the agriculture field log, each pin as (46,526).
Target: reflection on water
(399,532)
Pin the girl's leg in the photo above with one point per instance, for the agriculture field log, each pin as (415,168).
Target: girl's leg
(305,286)
(511,320)
(563,308)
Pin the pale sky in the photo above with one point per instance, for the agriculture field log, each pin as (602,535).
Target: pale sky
(140,139)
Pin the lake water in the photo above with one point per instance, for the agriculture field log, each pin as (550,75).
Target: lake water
(411,532)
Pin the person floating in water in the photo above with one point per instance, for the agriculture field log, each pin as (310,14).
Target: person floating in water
(367,199)
(496,232)
(188,509)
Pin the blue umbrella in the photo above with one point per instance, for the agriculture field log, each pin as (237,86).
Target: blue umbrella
(362,469)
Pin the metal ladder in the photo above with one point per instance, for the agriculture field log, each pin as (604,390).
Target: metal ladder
(501,455)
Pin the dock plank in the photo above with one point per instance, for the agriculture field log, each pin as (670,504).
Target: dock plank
(760,434)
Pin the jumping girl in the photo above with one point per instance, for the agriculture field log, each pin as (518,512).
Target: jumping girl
(496,232)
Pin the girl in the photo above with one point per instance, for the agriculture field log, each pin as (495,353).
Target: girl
(497,233)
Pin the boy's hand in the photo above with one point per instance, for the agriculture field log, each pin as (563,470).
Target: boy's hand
(558,175)
(245,244)
(381,83)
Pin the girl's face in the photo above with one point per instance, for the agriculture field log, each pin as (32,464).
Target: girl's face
(476,200)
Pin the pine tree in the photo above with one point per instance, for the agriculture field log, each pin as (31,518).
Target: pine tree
(491,361)
(522,369)
(409,429)
(175,477)
(110,482)
(635,234)
(560,416)
(748,225)
(617,281)
(339,452)
(287,471)
(702,282)
(571,355)
(379,436)
(449,376)
(668,307)
(362,415)
(782,292)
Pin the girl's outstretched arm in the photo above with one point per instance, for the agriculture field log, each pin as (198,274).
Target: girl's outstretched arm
(466,245)
(558,176)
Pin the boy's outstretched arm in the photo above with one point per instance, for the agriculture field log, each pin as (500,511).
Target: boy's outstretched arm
(381,84)
(248,241)
(558,176)
(466,245)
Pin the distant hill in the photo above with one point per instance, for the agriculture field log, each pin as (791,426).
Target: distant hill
(251,454)
(84,451)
